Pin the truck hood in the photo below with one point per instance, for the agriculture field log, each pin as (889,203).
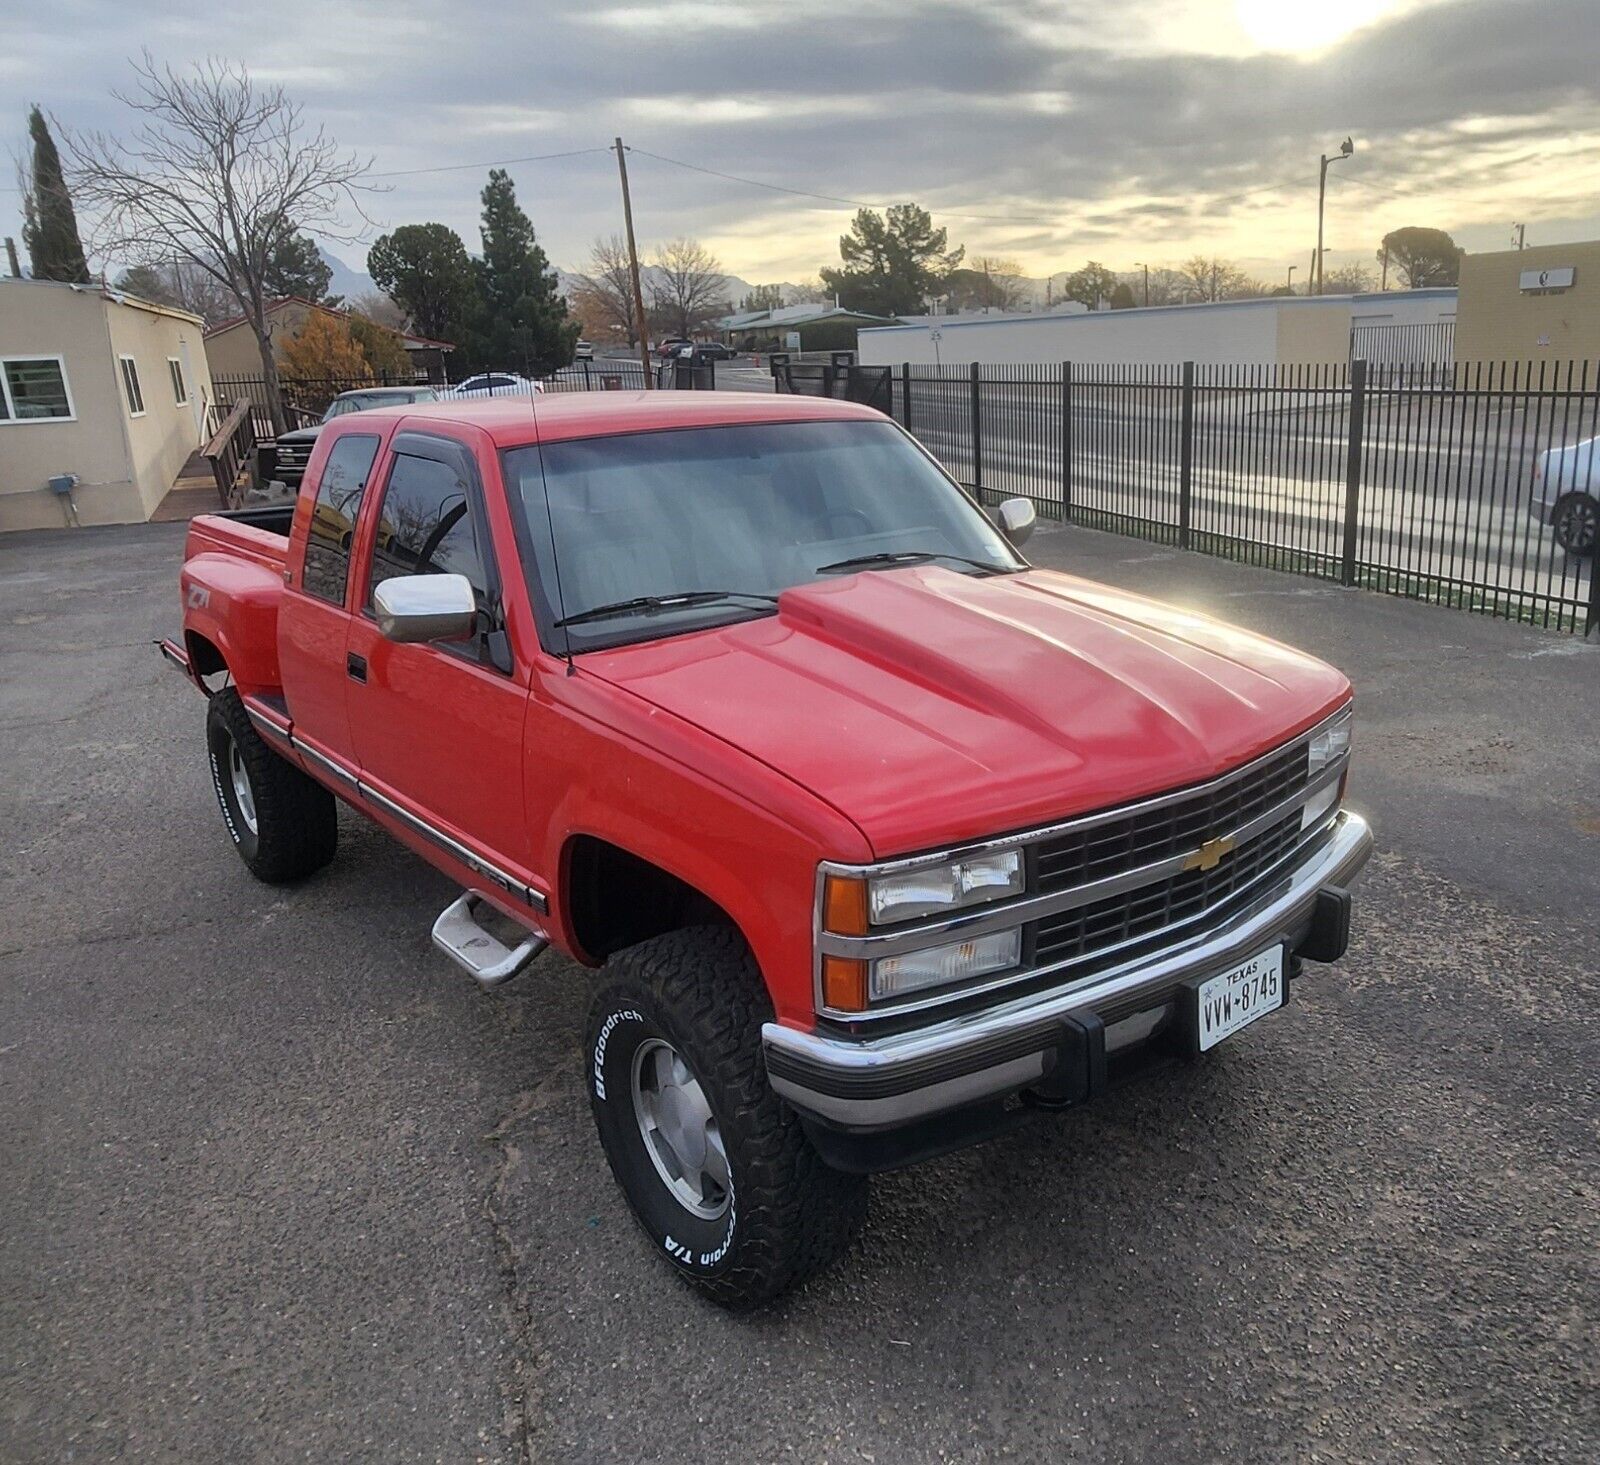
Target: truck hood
(930,707)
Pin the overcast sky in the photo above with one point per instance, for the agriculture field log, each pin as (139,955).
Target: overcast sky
(1050,133)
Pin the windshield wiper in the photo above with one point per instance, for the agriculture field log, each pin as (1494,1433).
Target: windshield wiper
(890,558)
(647,604)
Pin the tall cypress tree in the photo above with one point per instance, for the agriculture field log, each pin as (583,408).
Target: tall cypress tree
(51,229)
(524,322)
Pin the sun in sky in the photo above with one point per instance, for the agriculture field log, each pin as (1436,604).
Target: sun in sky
(1295,25)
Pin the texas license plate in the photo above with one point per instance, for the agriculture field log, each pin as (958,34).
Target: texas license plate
(1237,998)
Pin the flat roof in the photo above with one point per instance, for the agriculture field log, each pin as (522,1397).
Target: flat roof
(107,292)
(556,416)
(1294,302)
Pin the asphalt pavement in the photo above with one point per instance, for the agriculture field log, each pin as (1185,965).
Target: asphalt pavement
(277,1183)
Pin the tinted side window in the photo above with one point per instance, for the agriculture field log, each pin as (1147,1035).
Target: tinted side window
(333,519)
(425,526)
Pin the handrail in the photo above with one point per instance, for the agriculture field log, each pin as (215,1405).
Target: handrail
(231,450)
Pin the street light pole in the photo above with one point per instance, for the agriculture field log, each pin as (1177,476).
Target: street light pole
(1146,269)
(1345,149)
(1290,281)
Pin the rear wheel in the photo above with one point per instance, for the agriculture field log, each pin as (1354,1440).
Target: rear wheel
(1576,520)
(715,1166)
(284,824)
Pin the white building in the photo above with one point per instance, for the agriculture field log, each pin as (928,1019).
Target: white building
(1281,329)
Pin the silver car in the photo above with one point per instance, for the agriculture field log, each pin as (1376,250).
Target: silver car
(1566,495)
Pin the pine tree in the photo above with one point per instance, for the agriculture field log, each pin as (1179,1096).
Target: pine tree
(50,228)
(524,324)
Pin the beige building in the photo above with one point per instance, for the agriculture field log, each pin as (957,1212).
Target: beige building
(1538,304)
(98,385)
(231,346)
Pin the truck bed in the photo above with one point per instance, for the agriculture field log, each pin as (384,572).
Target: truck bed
(257,534)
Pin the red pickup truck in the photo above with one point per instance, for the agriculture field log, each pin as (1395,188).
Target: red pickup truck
(884,839)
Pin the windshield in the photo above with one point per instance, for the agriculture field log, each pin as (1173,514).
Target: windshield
(361,401)
(747,510)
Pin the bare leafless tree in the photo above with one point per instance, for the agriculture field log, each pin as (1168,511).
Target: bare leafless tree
(1211,278)
(216,173)
(607,290)
(183,285)
(687,288)
(375,306)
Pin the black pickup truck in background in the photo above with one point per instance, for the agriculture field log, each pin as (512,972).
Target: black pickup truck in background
(293,449)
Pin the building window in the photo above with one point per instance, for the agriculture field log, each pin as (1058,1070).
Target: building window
(130,384)
(34,389)
(180,388)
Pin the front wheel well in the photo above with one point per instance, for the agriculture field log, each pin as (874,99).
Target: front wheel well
(617,899)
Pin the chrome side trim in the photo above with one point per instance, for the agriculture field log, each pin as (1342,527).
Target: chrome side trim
(332,768)
(900,1074)
(1001,915)
(353,782)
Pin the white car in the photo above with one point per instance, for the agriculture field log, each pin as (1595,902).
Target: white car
(1566,495)
(496,384)
(583,351)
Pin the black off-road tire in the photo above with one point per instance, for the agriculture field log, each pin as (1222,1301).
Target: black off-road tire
(789,1215)
(296,823)
(1576,521)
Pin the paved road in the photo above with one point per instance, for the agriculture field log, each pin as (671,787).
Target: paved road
(280,1185)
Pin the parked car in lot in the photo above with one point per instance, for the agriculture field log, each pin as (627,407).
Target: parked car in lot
(583,351)
(884,839)
(496,384)
(293,449)
(1566,496)
(700,352)
(671,346)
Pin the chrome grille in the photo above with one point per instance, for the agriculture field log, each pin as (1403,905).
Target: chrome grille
(1119,919)
(1119,845)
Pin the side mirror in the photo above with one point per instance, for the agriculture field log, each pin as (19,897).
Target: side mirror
(1016,519)
(426,608)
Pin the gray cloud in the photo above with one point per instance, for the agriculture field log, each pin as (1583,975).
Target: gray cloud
(971,107)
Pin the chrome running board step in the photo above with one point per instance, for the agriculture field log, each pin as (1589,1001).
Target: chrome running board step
(485,958)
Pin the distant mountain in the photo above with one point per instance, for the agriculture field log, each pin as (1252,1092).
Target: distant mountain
(346,281)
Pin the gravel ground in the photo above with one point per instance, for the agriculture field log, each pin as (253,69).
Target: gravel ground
(279,1184)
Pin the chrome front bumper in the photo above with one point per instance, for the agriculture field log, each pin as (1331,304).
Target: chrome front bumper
(883,1083)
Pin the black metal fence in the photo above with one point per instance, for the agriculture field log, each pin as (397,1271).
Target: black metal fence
(1438,490)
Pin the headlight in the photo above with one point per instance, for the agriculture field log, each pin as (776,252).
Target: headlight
(1330,745)
(895,976)
(952,886)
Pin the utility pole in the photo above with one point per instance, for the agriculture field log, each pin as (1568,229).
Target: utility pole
(633,265)
(11,258)
(1383,279)
(1146,269)
(1345,149)
(1522,237)
(1290,281)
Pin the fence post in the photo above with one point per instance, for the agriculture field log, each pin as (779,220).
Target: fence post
(977,436)
(1352,469)
(586,385)
(1066,441)
(1186,460)
(905,393)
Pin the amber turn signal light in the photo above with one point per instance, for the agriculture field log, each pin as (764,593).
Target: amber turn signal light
(844,983)
(844,906)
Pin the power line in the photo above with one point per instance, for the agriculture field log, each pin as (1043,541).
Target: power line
(501,163)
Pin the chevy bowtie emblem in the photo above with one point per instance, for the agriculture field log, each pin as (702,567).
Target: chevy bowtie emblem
(1210,854)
